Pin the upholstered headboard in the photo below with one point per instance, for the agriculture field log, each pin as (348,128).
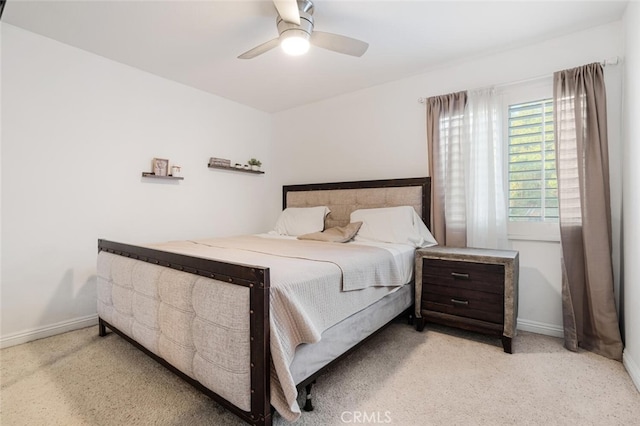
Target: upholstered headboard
(345,197)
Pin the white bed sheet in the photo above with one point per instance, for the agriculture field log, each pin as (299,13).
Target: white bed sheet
(403,254)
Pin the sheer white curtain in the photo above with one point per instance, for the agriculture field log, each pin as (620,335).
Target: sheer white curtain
(464,135)
(483,152)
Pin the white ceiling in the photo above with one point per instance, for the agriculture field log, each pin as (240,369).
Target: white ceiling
(197,42)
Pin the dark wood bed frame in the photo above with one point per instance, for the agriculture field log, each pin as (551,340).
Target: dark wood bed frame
(256,278)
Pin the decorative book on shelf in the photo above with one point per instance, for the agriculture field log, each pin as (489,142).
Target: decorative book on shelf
(222,162)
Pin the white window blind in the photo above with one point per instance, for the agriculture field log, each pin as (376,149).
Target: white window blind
(533,187)
(452,171)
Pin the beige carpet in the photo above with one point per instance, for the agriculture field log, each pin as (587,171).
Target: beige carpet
(401,377)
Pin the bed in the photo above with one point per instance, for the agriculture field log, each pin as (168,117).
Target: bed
(250,320)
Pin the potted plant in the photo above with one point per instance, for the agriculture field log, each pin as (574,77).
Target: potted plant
(255,164)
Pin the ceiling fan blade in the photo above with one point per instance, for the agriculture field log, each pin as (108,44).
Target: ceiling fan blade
(259,50)
(339,43)
(288,11)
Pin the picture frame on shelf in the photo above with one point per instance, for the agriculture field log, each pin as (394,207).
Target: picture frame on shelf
(160,166)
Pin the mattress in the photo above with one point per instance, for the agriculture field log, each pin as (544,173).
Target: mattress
(311,357)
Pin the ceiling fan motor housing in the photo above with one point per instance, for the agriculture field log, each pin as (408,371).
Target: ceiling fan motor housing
(286,29)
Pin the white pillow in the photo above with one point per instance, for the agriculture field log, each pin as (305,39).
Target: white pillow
(296,221)
(400,225)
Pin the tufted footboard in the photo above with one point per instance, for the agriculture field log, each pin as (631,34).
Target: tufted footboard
(206,320)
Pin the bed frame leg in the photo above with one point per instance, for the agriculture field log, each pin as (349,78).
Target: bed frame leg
(407,315)
(308,406)
(102,329)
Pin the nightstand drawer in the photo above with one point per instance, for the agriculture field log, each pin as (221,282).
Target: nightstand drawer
(465,303)
(464,275)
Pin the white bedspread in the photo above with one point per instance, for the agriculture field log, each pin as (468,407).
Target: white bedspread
(361,266)
(306,296)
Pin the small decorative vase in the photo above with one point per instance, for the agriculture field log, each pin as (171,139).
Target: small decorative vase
(255,168)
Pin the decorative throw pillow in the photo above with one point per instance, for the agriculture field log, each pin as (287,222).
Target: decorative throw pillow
(339,234)
(296,221)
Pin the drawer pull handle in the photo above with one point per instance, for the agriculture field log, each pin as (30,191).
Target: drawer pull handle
(460,276)
(460,302)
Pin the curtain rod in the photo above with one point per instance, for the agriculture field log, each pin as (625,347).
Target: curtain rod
(614,60)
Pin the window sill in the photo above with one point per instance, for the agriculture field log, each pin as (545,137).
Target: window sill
(550,238)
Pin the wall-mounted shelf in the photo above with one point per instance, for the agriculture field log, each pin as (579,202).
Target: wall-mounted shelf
(153,175)
(236,169)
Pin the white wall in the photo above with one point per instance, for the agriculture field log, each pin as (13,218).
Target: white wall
(380,133)
(77,131)
(631,193)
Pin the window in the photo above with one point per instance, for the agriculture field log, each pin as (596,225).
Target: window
(533,186)
(530,164)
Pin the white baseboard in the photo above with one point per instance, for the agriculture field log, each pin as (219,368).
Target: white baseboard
(48,331)
(632,369)
(540,328)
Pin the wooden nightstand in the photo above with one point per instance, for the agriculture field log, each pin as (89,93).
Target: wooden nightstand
(469,288)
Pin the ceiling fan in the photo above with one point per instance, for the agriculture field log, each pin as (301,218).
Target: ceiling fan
(295,29)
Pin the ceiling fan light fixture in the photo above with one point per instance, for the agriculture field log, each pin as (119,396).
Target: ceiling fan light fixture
(296,33)
(294,42)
